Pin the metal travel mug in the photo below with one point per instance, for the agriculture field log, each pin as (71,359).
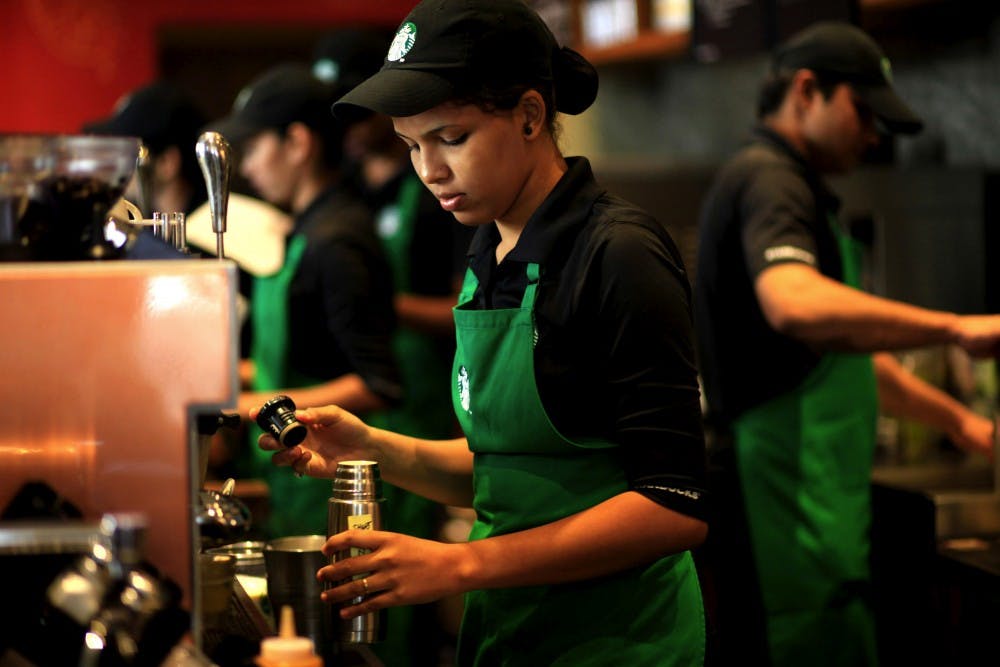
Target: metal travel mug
(356,504)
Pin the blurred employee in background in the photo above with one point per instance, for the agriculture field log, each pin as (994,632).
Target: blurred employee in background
(323,324)
(786,342)
(168,122)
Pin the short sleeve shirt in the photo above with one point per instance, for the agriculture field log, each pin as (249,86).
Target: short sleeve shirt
(615,352)
(766,207)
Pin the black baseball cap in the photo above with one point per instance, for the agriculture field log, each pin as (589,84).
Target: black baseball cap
(160,114)
(444,48)
(282,95)
(844,52)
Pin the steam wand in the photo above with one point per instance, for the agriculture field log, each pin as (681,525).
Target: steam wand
(214,154)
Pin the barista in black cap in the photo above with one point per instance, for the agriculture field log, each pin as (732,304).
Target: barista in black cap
(574,378)
(425,247)
(322,325)
(424,244)
(168,122)
(785,343)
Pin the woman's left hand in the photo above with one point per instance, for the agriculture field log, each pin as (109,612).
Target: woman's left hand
(399,570)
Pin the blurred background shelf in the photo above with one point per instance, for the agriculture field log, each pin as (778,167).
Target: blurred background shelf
(625,31)
(645,46)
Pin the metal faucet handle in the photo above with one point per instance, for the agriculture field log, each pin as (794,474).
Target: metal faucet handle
(214,156)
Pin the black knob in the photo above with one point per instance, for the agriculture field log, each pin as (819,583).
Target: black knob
(277,417)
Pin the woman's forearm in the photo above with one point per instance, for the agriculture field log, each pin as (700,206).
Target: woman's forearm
(624,531)
(437,469)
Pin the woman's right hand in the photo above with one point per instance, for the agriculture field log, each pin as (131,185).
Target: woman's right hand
(334,435)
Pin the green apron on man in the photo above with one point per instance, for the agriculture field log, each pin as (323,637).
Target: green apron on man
(527,474)
(804,462)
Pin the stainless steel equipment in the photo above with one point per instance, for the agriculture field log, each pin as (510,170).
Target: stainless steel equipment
(291,564)
(221,517)
(79,592)
(135,350)
(356,504)
(123,611)
(214,156)
(962,497)
(56,191)
(249,557)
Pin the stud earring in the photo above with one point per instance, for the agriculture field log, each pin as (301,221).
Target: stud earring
(527,130)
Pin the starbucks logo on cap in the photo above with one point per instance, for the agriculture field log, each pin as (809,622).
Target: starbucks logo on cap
(402,42)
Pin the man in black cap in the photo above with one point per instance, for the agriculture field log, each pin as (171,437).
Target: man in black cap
(786,344)
(323,324)
(168,122)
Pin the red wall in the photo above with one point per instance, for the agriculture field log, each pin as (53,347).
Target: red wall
(65,62)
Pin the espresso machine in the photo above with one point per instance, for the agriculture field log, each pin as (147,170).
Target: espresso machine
(108,367)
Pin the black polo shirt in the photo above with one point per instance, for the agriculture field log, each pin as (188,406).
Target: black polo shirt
(766,206)
(615,352)
(340,311)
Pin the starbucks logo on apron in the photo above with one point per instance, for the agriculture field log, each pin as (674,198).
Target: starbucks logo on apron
(387,224)
(463,387)
(402,42)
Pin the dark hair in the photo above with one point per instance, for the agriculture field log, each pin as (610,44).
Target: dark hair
(492,97)
(190,170)
(331,137)
(775,85)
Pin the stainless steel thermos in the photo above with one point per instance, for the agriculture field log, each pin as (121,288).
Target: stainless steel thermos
(356,503)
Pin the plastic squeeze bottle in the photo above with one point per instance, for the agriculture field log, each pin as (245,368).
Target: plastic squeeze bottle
(287,649)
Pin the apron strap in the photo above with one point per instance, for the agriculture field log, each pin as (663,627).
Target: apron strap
(471,283)
(528,300)
(269,313)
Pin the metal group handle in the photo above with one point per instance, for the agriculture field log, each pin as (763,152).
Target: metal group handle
(214,156)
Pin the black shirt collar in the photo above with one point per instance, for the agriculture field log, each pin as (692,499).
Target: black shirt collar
(826,198)
(564,210)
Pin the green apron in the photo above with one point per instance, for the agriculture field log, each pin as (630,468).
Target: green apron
(527,474)
(804,461)
(424,366)
(297,504)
